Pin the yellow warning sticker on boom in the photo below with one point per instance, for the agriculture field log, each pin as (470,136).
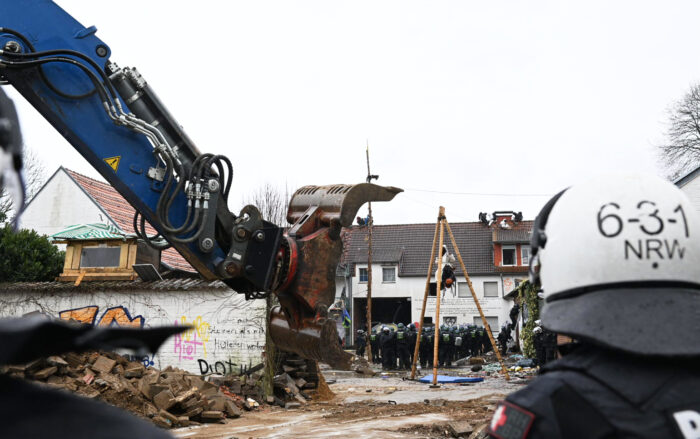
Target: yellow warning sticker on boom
(113,162)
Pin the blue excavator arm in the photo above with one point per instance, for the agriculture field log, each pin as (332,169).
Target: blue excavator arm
(112,116)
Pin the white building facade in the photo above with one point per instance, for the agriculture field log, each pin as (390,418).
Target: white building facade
(496,259)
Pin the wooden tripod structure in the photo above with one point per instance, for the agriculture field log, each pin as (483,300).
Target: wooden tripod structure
(440,227)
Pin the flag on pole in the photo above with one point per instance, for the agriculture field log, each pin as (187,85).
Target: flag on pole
(346,318)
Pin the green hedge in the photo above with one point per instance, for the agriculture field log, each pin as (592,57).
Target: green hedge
(25,256)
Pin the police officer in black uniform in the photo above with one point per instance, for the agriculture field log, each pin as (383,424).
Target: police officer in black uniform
(374,344)
(388,344)
(402,344)
(538,342)
(427,347)
(445,345)
(360,343)
(608,256)
(412,336)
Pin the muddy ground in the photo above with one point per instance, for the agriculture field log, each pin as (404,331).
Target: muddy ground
(378,407)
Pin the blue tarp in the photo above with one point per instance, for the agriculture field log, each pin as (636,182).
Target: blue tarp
(448,379)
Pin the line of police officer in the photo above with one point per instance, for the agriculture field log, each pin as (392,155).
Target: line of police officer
(394,348)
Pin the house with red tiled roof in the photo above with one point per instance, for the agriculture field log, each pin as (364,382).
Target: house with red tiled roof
(69,198)
(495,253)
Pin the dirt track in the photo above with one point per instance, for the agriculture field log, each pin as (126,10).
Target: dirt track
(393,409)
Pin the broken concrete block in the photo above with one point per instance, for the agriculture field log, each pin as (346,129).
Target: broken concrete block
(231,410)
(55,380)
(217,402)
(103,364)
(167,415)
(164,400)
(33,366)
(212,415)
(217,380)
(189,403)
(208,389)
(480,432)
(300,398)
(45,373)
(195,382)
(193,412)
(57,361)
(154,389)
(460,428)
(183,421)
(134,370)
(74,360)
(292,405)
(162,422)
(300,382)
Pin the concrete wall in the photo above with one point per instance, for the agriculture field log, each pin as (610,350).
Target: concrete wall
(47,213)
(228,334)
(692,191)
(462,308)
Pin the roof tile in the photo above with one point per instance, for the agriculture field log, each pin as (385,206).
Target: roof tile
(123,214)
(409,245)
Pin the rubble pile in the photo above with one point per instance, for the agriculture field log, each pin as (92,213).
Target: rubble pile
(297,377)
(169,398)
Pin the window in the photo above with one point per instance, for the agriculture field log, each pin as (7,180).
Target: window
(490,289)
(92,257)
(388,274)
(525,254)
(508,253)
(363,275)
(492,321)
(463,290)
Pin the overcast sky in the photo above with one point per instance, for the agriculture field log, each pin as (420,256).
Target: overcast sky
(507,97)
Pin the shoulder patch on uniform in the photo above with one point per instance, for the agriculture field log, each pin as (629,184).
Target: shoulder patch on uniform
(510,421)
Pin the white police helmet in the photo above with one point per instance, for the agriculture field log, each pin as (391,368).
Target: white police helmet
(618,259)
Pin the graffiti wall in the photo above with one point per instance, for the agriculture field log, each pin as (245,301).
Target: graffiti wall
(227,333)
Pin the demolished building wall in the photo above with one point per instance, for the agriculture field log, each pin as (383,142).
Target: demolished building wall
(228,334)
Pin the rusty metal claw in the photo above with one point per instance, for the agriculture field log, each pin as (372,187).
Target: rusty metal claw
(313,251)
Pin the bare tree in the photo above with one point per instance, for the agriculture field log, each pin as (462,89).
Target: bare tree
(681,152)
(34,176)
(272,203)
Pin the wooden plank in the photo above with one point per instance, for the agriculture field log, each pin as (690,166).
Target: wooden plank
(75,265)
(123,255)
(98,276)
(133,249)
(69,258)
(79,279)
(425,299)
(438,280)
